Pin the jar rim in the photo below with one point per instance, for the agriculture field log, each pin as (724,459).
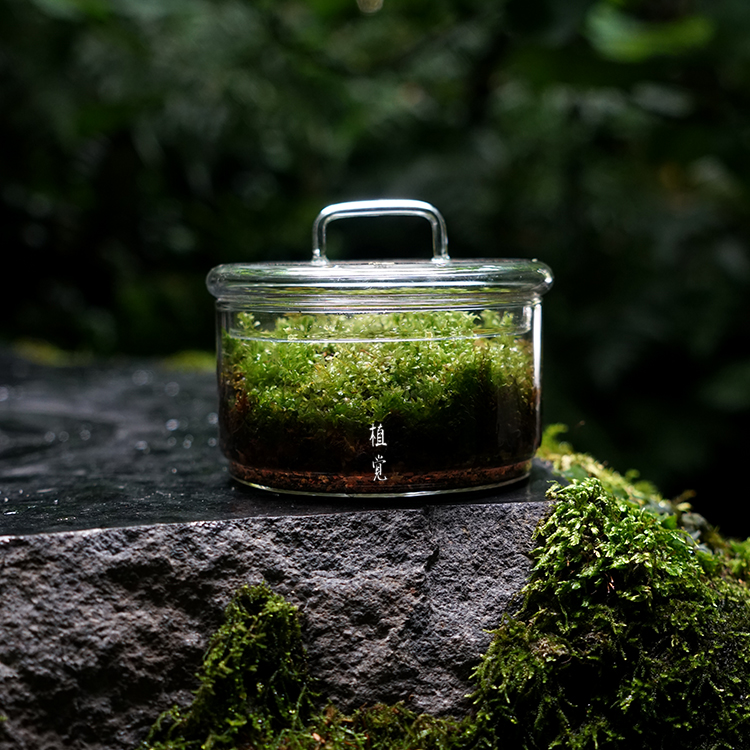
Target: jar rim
(516,278)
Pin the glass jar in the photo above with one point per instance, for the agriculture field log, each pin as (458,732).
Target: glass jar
(383,378)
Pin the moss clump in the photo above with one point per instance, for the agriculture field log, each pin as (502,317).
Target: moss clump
(254,695)
(253,681)
(627,636)
(318,370)
(633,631)
(452,390)
(731,556)
(378,727)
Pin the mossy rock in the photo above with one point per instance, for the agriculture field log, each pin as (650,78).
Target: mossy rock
(626,637)
(253,680)
(633,631)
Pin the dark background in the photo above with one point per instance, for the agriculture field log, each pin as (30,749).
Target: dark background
(144,141)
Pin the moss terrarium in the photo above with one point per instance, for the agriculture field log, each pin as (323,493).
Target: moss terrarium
(379,378)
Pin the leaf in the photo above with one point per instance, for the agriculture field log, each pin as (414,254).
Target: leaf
(619,36)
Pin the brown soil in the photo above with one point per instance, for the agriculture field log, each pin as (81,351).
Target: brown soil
(397,483)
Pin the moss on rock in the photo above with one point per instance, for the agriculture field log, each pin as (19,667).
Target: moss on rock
(632,631)
(626,637)
(253,681)
(255,695)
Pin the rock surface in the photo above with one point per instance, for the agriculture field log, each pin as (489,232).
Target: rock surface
(103,628)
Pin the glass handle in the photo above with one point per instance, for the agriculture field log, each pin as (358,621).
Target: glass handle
(380,208)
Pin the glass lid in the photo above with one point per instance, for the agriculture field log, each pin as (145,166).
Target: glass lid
(438,282)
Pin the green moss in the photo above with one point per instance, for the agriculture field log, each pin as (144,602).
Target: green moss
(253,681)
(255,693)
(305,392)
(44,353)
(633,631)
(353,370)
(191,360)
(730,556)
(626,637)
(378,727)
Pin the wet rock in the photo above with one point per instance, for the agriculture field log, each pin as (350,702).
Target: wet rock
(104,629)
(104,625)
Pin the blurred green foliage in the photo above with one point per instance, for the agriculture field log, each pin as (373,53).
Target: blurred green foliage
(144,141)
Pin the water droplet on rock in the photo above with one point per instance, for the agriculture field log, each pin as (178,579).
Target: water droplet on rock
(141,377)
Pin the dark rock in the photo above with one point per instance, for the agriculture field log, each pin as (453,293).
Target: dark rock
(103,628)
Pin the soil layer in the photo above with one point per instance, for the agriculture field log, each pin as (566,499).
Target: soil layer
(396,483)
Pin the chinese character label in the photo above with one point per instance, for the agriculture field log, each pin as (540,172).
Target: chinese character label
(377,464)
(377,440)
(377,436)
